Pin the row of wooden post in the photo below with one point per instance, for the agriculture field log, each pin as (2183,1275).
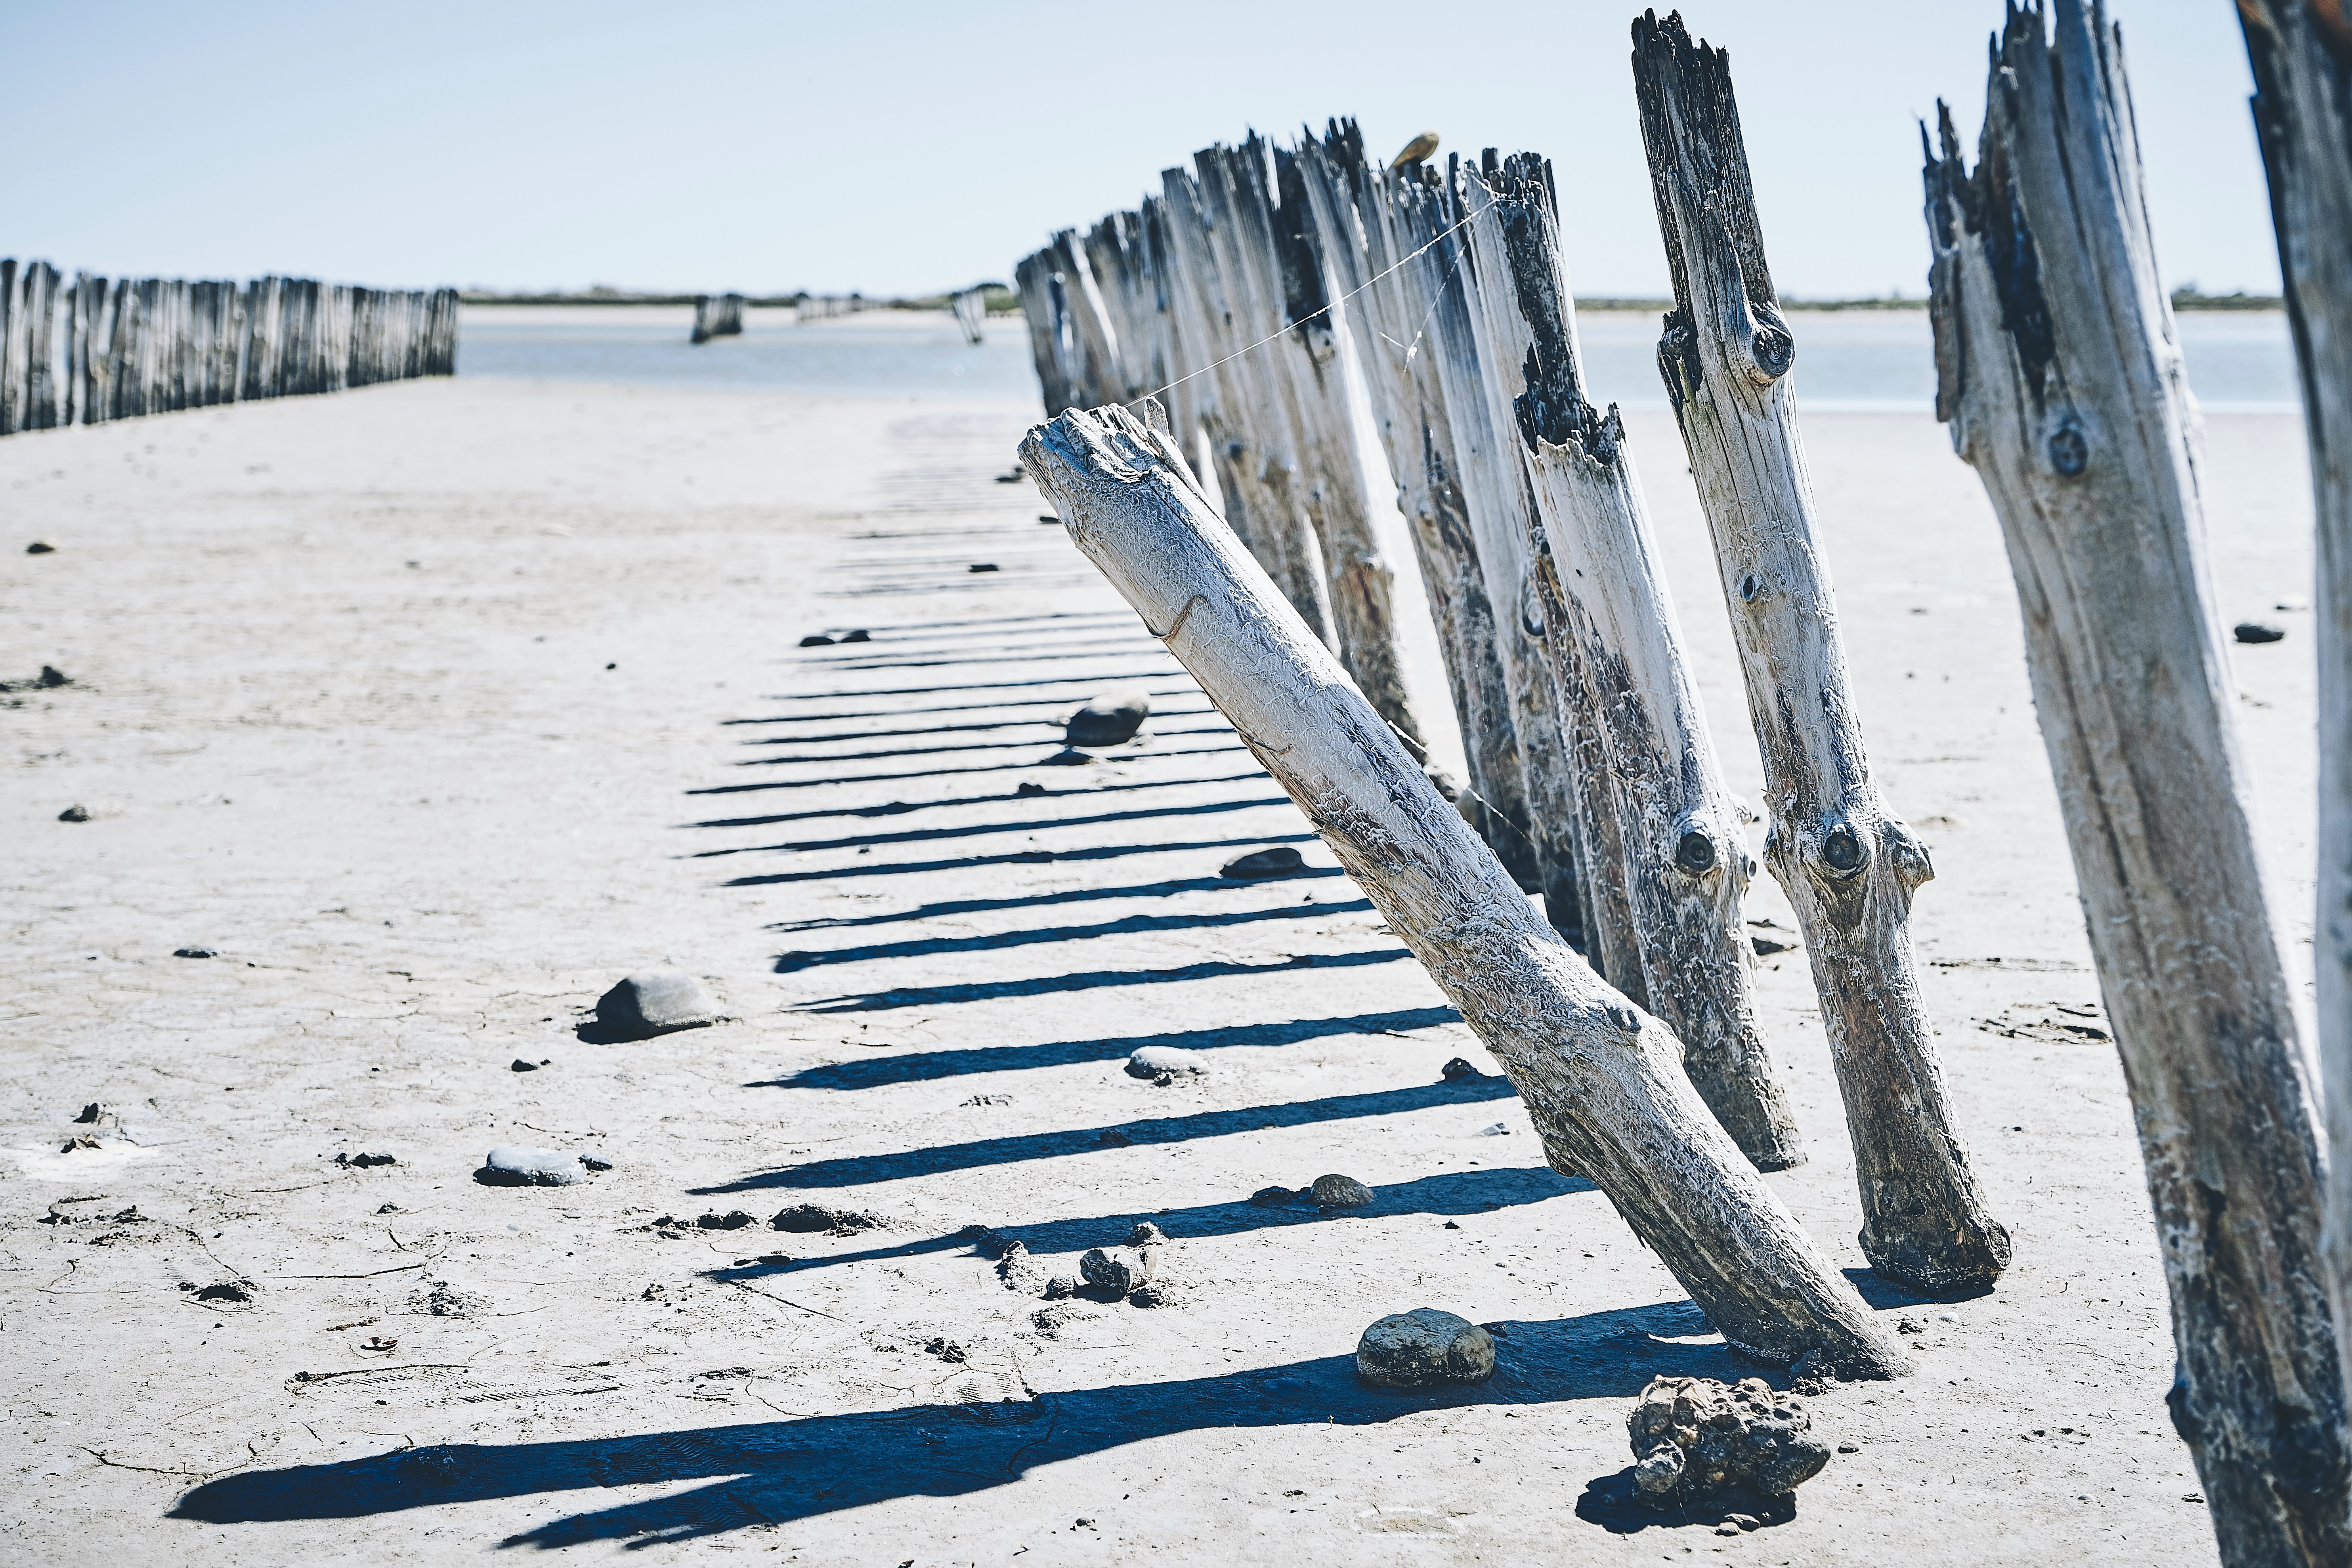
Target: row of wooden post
(825,307)
(1228,326)
(971,308)
(86,350)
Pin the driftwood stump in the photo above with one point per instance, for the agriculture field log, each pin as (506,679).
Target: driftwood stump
(2060,374)
(1602,1079)
(1847,863)
(2302,58)
(1610,620)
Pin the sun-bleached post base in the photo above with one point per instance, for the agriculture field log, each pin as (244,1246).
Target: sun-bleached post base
(1847,863)
(2302,59)
(1602,1079)
(2060,374)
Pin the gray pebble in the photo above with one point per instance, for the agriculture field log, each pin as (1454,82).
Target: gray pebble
(1061,1287)
(514,1165)
(2258,632)
(73,813)
(1161,1062)
(816,1217)
(1424,1348)
(1275,1197)
(1336,1191)
(655,1001)
(1459,1070)
(1110,719)
(1694,1437)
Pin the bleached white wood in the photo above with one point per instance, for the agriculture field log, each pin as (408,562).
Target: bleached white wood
(1602,1079)
(1351,199)
(2302,59)
(1609,616)
(2060,374)
(1847,863)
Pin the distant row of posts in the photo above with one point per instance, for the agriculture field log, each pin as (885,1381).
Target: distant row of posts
(88,350)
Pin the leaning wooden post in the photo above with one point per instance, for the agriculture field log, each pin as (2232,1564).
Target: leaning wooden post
(2302,59)
(1607,610)
(2060,374)
(1602,1079)
(1847,863)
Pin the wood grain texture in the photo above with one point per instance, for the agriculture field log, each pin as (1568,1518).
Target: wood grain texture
(1610,620)
(2302,58)
(2060,375)
(1352,201)
(1847,863)
(1603,1080)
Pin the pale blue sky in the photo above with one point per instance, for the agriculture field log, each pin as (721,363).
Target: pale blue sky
(919,146)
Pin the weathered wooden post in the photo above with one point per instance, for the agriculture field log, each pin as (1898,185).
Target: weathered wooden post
(1495,505)
(1846,862)
(2302,57)
(1356,228)
(1610,618)
(1603,1080)
(717,316)
(2060,374)
(970,308)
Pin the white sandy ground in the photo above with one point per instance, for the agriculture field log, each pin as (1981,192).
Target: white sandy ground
(434,708)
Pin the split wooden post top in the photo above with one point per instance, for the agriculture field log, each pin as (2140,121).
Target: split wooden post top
(1603,1080)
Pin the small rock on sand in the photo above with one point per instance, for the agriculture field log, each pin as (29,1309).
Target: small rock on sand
(1264,865)
(1119,1269)
(816,639)
(1459,1070)
(1336,1191)
(654,1002)
(733,1219)
(1694,1437)
(1030,787)
(1066,758)
(1424,1348)
(981,566)
(1164,1062)
(1110,719)
(1275,1197)
(515,1165)
(2258,632)
(1061,1287)
(39,548)
(835,1222)
(73,813)
(196,952)
(861,635)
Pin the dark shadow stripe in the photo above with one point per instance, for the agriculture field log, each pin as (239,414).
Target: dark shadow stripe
(982,830)
(1019,857)
(1133,925)
(1086,980)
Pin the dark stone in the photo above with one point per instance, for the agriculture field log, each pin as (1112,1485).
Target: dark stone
(1336,1191)
(1274,1197)
(861,635)
(2251,632)
(733,1219)
(1766,946)
(1264,865)
(981,566)
(196,952)
(1162,1063)
(52,677)
(654,1002)
(1424,1348)
(1110,719)
(595,1163)
(1030,787)
(515,1165)
(519,1065)
(1460,1071)
(90,1112)
(816,639)
(817,1217)
(1118,1269)
(228,1291)
(37,548)
(73,813)
(363,1161)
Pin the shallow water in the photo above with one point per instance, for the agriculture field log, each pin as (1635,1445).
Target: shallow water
(1847,361)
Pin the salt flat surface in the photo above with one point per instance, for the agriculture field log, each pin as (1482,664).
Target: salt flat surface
(435,708)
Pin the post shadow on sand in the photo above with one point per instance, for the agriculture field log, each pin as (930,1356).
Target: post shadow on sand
(858,1169)
(924,947)
(1033,747)
(1050,702)
(1015,858)
(1033,900)
(1480,1191)
(776,1472)
(895,807)
(934,773)
(989,829)
(1087,980)
(915,1066)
